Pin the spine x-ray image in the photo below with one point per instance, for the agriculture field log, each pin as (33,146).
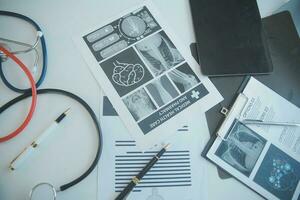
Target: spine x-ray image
(159,52)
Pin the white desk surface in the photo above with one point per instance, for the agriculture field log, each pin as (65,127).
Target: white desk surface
(72,148)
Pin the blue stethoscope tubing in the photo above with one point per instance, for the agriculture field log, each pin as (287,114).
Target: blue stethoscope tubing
(44,52)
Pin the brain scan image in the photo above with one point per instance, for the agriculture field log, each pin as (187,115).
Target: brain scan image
(126,71)
(133,26)
(125,74)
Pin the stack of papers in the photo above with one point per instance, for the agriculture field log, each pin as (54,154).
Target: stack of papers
(160,96)
(179,174)
(264,157)
(145,71)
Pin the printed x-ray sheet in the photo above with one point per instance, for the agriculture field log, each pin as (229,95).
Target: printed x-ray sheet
(150,80)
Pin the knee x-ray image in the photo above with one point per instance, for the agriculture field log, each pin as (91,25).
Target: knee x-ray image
(162,91)
(184,78)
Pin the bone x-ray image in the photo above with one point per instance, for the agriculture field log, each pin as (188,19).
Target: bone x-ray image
(241,148)
(162,91)
(139,104)
(159,53)
(184,78)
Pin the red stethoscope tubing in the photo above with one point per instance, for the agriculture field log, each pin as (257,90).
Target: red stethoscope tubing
(33,101)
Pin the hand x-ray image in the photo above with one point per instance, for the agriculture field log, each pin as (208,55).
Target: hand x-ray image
(241,148)
(159,53)
(162,91)
(184,78)
(139,104)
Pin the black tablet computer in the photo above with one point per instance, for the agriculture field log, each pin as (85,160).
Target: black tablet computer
(230,37)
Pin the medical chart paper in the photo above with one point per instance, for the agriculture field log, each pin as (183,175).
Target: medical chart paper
(264,157)
(179,174)
(145,72)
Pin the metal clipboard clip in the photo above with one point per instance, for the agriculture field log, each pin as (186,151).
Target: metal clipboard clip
(231,114)
(235,114)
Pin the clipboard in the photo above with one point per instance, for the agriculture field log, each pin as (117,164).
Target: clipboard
(226,30)
(250,153)
(284,45)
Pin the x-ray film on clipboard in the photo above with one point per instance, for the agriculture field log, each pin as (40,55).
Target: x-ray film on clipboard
(149,78)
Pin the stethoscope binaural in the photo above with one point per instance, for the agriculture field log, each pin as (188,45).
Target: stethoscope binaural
(39,38)
(27,93)
(96,124)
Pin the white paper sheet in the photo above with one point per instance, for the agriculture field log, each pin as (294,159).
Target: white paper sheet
(266,158)
(180,173)
(268,7)
(147,74)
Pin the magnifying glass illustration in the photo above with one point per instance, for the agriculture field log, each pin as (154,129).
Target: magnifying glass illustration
(44,191)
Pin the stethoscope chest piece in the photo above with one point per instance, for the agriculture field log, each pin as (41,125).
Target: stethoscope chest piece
(44,191)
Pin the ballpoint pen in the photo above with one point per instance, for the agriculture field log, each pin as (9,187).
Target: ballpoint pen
(261,122)
(32,147)
(136,179)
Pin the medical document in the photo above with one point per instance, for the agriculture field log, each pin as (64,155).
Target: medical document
(179,174)
(143,69)
(264,157)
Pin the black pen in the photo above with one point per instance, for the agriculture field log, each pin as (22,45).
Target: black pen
(136,179)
